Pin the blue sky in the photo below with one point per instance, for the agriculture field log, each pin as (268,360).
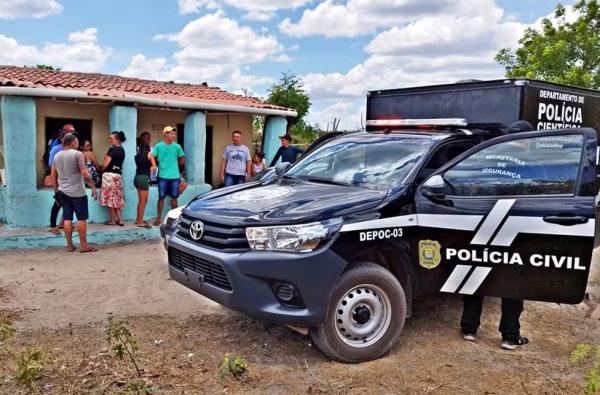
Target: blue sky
(340,49)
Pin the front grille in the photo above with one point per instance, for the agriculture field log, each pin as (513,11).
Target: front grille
(213,272)
(216,236)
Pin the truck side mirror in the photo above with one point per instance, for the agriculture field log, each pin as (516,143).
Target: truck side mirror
(435,188)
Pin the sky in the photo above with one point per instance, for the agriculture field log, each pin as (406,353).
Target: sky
(341,49)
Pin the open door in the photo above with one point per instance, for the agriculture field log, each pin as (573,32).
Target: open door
(513,217)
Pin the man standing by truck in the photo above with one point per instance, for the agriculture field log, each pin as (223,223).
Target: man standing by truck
(236,166)
(170,157)
(287,152)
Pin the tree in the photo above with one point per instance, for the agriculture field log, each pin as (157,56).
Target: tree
(289,92)
(47,67)
(562,52)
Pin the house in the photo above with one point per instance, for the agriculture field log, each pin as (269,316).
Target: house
(35,103)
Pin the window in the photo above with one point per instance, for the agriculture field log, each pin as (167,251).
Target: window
(443,155)
(366,161)
(546,165)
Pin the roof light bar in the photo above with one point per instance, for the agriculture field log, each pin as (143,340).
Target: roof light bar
(418,122)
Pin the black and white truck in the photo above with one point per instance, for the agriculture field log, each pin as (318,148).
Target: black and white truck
(435,196)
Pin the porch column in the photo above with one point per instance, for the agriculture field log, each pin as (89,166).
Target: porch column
(195,147)
(125,119)
(19,129)
(274,127)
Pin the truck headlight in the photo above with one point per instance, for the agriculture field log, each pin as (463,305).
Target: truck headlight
(172,217)
(297,238)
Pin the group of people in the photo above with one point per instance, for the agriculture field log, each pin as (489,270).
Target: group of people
(237,166)
(74,165)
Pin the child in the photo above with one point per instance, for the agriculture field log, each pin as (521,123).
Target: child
(258,163)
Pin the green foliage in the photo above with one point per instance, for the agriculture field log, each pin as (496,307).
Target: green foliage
(592,379)
(235,366)
(47,67)
(139,387)
(29,364)
(304,134)
(289,92)
(121,341)
(562,52)
(580,352)
(6,331)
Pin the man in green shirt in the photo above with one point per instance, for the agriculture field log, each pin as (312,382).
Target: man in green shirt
(170,157)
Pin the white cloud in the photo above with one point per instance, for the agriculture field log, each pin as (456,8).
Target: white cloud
(257,10)
(348,114)
(428,50)
(212,48)
(81,52)
(11,9)
(359,17)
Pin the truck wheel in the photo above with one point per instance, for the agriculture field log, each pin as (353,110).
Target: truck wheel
(365,315)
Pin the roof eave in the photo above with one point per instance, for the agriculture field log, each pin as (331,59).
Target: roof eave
(188,105)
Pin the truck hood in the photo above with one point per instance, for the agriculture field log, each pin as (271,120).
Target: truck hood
(283,202)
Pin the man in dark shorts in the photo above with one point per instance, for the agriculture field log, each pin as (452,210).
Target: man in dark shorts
(68,174)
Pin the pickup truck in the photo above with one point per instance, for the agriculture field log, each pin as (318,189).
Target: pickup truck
(343,241)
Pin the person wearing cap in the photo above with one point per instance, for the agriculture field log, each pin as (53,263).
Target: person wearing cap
(64,131)
(236,166)
(287,152)
(170,157)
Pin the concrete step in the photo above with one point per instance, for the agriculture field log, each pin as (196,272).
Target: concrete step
(35,238)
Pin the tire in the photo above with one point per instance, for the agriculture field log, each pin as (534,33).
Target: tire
(365,315)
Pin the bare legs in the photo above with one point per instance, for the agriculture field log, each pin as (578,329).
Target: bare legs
(141,206)
(81,231)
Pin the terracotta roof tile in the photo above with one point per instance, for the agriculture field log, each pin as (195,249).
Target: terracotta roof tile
(114,86)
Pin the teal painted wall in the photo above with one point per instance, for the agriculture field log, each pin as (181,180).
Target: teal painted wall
(125,119)
(195,147)
(23,205)
(274,127)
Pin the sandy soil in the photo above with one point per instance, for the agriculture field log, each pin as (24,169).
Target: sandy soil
(59,302)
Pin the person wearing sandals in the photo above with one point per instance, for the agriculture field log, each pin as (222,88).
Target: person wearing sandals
(142,177)
(68,174)
(170,158)
(112,181)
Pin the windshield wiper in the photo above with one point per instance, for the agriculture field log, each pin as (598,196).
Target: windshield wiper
(327,181)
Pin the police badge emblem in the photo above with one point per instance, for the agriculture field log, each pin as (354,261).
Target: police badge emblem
(430,254)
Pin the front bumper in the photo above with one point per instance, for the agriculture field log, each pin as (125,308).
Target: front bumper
(250,275)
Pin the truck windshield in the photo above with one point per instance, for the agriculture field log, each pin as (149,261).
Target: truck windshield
(366,161)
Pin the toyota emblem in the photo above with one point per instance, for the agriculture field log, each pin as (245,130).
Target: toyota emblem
(196,230)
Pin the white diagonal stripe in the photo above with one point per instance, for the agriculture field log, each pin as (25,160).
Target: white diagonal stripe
(455,278)
(492,221)
(474,281)
(536,225)
(391,222)
(449,221)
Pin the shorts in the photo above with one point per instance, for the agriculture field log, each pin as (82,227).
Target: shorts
(77,205)
(168,187)
(142,182)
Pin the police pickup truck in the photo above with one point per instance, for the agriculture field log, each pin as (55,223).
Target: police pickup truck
(344,240)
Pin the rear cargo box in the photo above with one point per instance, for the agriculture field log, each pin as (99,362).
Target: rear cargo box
(500,102)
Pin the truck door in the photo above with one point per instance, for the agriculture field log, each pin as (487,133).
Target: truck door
(513,217)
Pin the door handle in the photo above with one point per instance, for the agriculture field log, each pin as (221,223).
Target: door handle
(567,221)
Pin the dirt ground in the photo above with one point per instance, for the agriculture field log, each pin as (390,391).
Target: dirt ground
(59,302)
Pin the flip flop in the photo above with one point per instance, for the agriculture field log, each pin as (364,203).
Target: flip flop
(110,223)
(144,225)
(55,232)
(121,223)
(156,223)
(90,249)
(73,248)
